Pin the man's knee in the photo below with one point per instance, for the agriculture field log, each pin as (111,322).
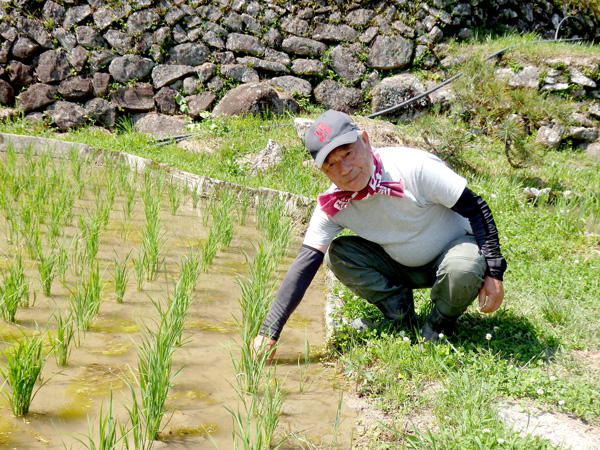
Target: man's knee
(344,251)
(458,280)
(454,291)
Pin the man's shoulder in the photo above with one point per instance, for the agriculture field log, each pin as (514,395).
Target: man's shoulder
(403,158)
(392,153)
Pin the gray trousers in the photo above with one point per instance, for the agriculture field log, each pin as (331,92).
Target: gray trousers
(455,277)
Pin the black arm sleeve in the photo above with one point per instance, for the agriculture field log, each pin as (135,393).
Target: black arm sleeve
(476,210)
(291,291)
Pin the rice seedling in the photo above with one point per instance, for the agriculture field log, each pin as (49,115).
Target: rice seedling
(77,170)
(160,183)
(270,407)
(108,426)
(13,290)
(65,332)
(209,207)
(189,268)
(274,222)
(33,237)
(47,269)
(153,239)
(61,212)
(130,192)
(91,227)
(124,171)
(139,264)
(221,231)
(176,314)
(209,250)
(62,261)
(124,225)
(255,301)
(222,218)
(137,426)
(195,196)
(12,222)
(10,157)
(147,190)
(24,363)
(155,354)
(257,416)
(79,258)
(243,209)
(85,299)
(174,196)
(155,378)
(104,207)
(305,366)
(121,276)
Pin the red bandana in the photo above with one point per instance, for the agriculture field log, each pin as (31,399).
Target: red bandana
(333,202)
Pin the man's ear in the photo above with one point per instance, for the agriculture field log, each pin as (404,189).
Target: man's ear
(365,138)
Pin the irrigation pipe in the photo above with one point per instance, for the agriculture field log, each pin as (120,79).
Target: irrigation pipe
(170,139)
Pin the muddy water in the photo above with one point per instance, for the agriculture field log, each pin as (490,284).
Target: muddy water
(67,405)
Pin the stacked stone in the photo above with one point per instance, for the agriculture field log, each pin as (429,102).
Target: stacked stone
(80,60)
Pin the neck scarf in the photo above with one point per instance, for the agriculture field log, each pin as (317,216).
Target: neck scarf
(334,201)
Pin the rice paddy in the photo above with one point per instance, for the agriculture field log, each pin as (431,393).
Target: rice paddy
(125,293)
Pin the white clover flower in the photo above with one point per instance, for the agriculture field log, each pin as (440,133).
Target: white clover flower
(493,195)
(540,391)
(355,297)
(552,378)
(488,336)
(441,335)
(500,441)
(561,402)
(405,339)
(485,430)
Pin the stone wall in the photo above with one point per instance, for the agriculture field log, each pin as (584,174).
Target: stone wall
(70,61)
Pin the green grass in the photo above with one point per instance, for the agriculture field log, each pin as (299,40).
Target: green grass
(230,138)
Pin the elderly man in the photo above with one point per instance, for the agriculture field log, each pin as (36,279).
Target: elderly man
(415,225)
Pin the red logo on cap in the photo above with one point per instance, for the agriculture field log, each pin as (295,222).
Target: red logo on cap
(322,131)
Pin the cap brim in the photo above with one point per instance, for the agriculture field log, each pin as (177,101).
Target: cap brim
(346,138)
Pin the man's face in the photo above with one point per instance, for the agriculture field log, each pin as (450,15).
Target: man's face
(349,166)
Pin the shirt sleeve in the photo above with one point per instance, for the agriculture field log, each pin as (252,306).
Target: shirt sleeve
(292,289)
(477,211)
(322,229)
(437,183)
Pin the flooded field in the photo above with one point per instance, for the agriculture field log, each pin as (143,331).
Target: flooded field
(207,393)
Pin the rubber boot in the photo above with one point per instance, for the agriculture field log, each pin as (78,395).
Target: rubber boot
(399,312)
(435,324)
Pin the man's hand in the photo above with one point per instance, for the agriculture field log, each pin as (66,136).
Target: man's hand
(263,345)
(491,295)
